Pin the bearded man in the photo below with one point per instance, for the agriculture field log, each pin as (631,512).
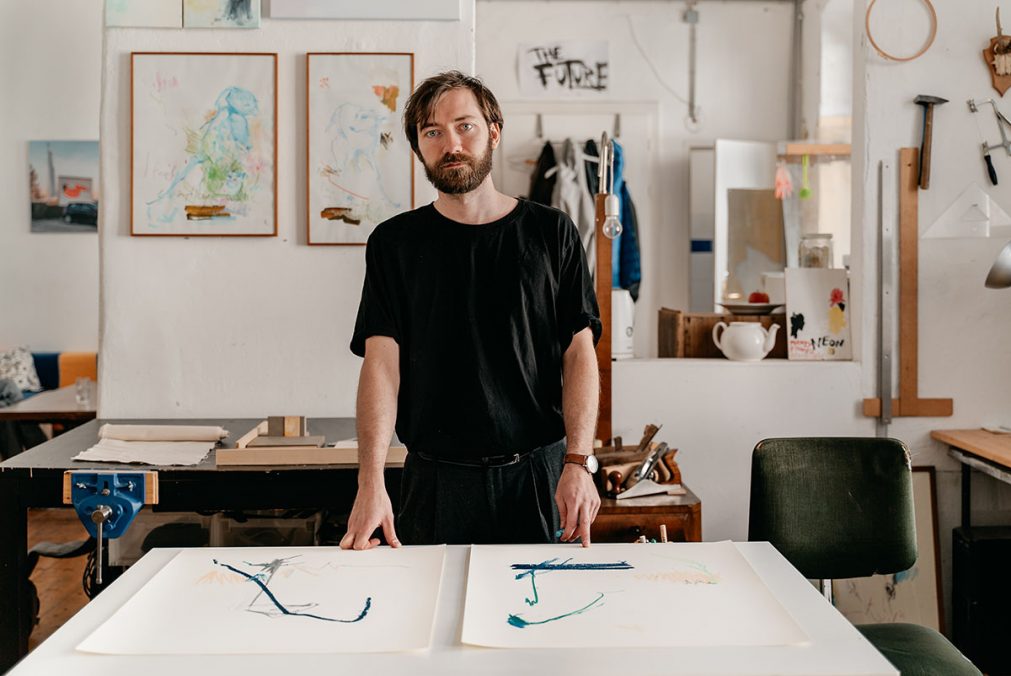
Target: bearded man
(477,325)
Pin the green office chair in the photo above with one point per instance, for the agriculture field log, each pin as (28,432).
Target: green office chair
(839,507)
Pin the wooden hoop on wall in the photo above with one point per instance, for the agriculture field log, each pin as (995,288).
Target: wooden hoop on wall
(890,57)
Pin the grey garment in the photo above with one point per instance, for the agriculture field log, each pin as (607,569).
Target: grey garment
(572,195)
(9,392)
(445,503)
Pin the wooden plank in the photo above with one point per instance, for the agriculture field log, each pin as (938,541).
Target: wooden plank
(798,150)
(909,270)
(300,455)
(922,408)
(252,434)
(909,404)
(603,280)
(988,445)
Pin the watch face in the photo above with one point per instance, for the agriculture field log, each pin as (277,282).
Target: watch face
(591,464)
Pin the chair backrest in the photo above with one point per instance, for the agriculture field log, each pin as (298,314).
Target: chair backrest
(835,507)
(74,365)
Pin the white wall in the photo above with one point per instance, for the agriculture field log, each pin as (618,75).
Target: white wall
(50,66)
(241,326)
(742,84)
(964,351)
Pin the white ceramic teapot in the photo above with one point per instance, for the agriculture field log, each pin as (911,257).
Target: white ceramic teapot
(745,341)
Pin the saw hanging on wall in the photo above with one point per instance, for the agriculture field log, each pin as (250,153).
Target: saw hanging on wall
(998,58)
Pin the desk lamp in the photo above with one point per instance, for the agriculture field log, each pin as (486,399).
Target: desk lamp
(1000,278)
(1000,273)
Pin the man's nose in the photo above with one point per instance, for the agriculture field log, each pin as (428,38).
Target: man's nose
(453,142)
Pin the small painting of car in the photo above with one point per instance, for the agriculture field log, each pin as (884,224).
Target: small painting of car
(81,212)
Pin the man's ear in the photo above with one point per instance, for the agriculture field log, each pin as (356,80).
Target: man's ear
(495,132)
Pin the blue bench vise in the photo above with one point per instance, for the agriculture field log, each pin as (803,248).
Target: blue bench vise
(106,502)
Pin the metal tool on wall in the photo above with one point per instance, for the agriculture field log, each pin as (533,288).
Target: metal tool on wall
(927,102)
(1003,124)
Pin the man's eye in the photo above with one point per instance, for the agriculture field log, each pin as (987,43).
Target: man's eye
(431,133)
(466,126)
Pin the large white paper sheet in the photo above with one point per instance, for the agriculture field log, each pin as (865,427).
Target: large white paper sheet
(177,453)
(618,595)
(264,600)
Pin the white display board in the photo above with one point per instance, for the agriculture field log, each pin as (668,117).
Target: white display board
(622,596)
(263,600)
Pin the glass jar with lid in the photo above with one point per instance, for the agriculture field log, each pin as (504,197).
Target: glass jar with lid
(815,250)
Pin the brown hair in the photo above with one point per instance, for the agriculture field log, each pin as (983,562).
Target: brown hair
(422,102)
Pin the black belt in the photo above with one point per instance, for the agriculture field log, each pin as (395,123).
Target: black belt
(485,462)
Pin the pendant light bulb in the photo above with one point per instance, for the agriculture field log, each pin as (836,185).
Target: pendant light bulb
(611,226)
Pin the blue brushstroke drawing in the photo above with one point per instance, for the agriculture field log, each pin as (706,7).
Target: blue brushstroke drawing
(262,579)
(520,623)
(356,138)
(532,569)
(222,148)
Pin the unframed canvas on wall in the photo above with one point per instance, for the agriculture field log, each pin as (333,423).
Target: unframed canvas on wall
(63,185)
(359,164)
(204,144)
(221,13)
(428,10)
(144,13)
(816,306)
(912,595)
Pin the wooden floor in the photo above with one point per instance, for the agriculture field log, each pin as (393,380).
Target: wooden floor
(58,580)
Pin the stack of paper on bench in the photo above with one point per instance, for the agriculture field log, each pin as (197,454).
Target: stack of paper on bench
(153,444)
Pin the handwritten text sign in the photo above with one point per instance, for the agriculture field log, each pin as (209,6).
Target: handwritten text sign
(568,68)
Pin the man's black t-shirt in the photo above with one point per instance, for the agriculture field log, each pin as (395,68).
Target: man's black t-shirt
(482,315)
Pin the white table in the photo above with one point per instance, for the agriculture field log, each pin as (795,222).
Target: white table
(836,648)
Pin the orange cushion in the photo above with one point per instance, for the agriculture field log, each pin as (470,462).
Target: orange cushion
(74,365)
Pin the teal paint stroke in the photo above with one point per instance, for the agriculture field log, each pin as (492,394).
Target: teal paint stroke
(520,623)
(552,565)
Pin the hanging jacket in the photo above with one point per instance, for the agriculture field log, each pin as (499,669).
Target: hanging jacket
(631,265)
(542,185)
(573,197)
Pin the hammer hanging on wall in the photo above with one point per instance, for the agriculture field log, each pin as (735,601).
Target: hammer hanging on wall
(928,103)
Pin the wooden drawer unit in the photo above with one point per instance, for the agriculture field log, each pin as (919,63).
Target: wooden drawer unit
(626,520)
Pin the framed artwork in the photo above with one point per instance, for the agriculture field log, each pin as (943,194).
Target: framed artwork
(913,595)
(817,302)
(221,13)
(430,10)
(203,144)
(144,13)
(63,185)
(360,168)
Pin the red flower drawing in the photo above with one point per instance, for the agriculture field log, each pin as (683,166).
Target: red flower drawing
(837,297)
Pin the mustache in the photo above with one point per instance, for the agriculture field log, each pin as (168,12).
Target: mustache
(452,158)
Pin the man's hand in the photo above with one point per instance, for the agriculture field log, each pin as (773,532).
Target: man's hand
(578,502)
(372,509)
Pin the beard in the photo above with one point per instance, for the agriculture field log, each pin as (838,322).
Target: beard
(461,179)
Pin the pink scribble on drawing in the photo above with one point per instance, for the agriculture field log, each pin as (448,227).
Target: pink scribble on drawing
(163,83)
(324,83)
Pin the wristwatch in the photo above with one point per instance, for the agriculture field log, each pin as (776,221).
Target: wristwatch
(587,462)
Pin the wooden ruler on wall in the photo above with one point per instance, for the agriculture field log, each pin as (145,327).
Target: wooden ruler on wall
(602,274)
(909,402)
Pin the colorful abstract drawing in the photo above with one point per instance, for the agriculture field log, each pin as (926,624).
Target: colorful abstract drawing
(144,13)
(277,600)
(221,13)
(360,165)
(621,596)
(63,185)
(204,144)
